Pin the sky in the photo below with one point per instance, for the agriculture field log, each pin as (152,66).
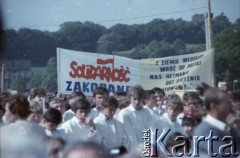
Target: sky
(49,14)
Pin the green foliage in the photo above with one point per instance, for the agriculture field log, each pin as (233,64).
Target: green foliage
(158,38)
(219,23)
(50,80)
(18,84)
(79,36)
(36,80)
(227,46)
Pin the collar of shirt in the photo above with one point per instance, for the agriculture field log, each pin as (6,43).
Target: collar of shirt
(76,120)
(103,117)
(131,108)
(215,122)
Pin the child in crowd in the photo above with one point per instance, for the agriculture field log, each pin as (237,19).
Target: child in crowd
(150,102)
(51,120)
(36,114)
(160,97)
(194,107)
(110,131)
(188,124)
(135,118)
(80,127)
(59,104)
(169,120)
(70,113)
(38,95)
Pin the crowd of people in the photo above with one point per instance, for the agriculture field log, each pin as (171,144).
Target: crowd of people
(103,125)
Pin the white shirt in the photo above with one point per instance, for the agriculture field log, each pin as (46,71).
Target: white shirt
(57,133)
(68,115)
(155,115)
(110,132)
(94,113)
(165,123)
(215,122)
(22,131)
(77,131)
(134,122)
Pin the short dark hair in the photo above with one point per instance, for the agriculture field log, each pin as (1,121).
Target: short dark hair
(19,105)
(195,100)
(158,90)
(137,91)
(188,120)
(188,95)
(53,115)
(37,91)
(110,101)
(82,104)
(202,87)
(149,93)
(100,90)
(120,92)
(78,94)
(211,96)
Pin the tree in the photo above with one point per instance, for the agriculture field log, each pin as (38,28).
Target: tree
(50,79)
(18,84)
(36,45)
(37,79)
(227,46)
(79,36)
(179,46)
(219,23)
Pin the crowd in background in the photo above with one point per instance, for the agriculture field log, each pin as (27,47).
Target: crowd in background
(44,125)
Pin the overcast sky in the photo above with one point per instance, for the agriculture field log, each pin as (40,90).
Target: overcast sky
(49,14)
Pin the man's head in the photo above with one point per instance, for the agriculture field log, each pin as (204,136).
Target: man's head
(59,104)
(98,95)
(160,96)
(109,106)
(150,100)
(36,114)
(136,94)
(82,109)
(52,118)
(17,107)
(218,103)
(195,107)
(188,124)
(175,107)
(38,95)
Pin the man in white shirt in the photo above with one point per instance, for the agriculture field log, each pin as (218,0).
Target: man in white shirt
(160,98)
(219,107)
(51,119)
(151,102)
(70,113)
(98,95)
(110,131)
(135,118)
(169,119)
(80,127)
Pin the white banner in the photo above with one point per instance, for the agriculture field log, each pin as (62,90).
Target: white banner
(83,71)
